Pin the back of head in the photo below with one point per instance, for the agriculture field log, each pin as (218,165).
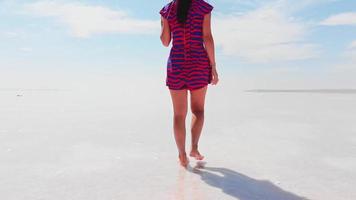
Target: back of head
(183,9)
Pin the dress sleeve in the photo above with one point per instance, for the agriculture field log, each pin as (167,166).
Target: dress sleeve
(205,7)
(165,11)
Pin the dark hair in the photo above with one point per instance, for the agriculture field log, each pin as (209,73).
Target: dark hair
(182,11)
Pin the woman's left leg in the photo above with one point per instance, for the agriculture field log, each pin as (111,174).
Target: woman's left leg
(197,100)
(180,107)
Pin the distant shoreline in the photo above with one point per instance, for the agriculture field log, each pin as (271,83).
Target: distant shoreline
(30,90)
(323,91)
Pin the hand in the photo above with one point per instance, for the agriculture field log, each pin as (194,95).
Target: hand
(215,76)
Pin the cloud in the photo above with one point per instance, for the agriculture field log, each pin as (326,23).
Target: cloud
(26,49)
(351,51)
(291,5)
(353,45)
(87,20)
(15,33)
(286,5)
(348,18)
(263,35)
(9,34)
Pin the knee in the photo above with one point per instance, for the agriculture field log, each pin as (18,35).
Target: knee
(199,113)
(179,116)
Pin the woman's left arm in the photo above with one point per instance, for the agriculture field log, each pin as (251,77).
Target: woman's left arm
(165,32)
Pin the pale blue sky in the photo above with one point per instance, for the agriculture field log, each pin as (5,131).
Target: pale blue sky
(308,36)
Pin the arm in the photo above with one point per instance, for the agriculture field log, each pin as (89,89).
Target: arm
(165,32)
(208,38)
(209,46)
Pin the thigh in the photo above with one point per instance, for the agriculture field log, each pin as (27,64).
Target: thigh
(197,98)
(180,101)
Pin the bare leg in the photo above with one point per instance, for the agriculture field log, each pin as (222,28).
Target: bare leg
(197,106)
(179,100)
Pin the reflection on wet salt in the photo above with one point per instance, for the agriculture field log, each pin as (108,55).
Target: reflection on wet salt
(179,193)
(188,187)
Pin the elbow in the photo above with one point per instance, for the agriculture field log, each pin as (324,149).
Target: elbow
(208,38)
(165,41)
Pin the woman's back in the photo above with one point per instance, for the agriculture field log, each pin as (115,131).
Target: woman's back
(190,33)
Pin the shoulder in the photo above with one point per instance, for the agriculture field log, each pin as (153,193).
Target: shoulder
(203,6)
(166,9)
(168,5)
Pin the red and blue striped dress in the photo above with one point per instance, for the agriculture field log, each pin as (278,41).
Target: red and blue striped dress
(188,65)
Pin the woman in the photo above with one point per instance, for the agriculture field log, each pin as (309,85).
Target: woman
(191,66)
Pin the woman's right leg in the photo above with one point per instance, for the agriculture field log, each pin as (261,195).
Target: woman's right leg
(180,107)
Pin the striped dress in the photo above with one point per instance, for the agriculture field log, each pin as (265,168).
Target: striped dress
(188,65)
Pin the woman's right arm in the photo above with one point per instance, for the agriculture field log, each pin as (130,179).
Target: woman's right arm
(165,32)
(209,46)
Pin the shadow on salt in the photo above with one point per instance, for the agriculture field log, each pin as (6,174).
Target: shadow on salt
(241,186)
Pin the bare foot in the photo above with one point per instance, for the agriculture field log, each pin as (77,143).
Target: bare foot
(183,159)
(196,155)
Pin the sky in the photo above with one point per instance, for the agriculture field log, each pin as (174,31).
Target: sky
(309,43)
